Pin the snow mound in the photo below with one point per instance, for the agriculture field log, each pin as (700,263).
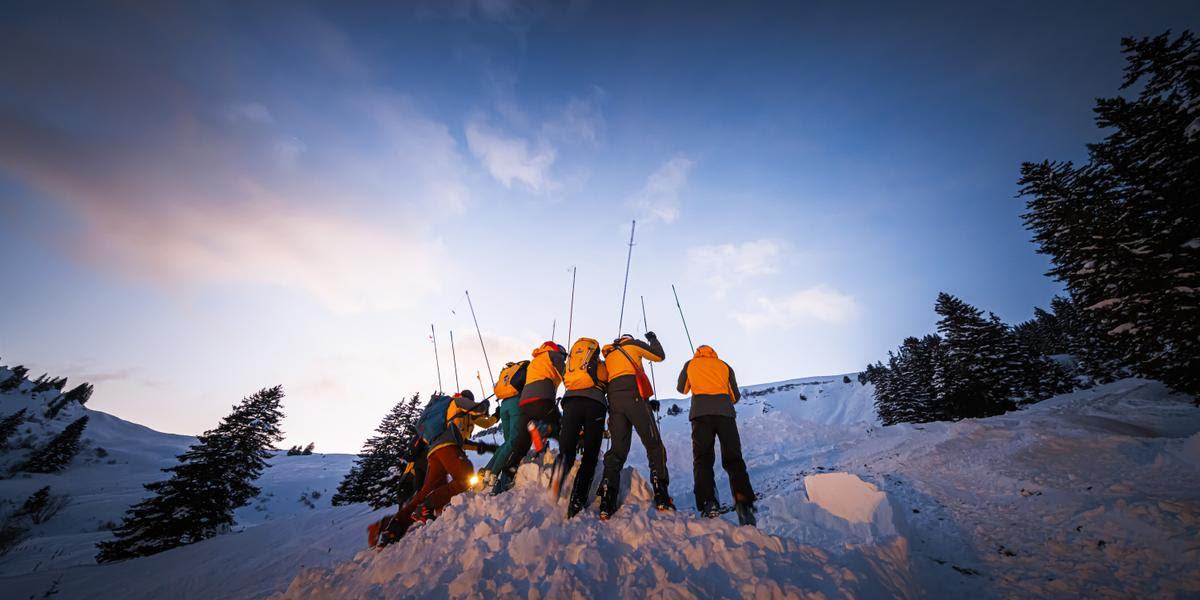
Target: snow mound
(839,508)
(520,544)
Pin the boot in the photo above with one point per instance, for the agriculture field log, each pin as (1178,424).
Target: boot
(608,499)
(710,510)
(745,513)
(504,482)
(662,499)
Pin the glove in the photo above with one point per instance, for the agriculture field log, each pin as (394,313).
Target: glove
(654,405)
(483,447)
(650,335)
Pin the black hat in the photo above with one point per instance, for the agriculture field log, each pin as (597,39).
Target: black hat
(468,394)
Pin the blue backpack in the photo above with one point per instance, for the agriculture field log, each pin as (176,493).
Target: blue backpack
(432,423)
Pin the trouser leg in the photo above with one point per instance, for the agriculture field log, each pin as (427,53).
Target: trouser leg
(593,436)
(732,461)
(435,476)
(643,420)
(568,439)
(702,461)
(510,413)
(521,443)
(456,464)
(619,431)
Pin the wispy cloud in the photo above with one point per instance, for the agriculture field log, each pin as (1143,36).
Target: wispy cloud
(658,200)
(191,185)
(512,159)
(818,303)
(724,267)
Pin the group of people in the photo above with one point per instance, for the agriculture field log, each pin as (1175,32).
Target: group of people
(599,382)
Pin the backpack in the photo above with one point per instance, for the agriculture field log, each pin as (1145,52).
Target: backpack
(432,423)
(512,380)
(582,363)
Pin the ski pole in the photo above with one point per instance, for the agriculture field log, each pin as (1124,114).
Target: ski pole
(571,312)
(481,346)
(553,328)
(653,381)
(681,318)
(455,358)
(628,259)
(436,360)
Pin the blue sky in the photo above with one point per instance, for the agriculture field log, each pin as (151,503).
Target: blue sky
(198,202)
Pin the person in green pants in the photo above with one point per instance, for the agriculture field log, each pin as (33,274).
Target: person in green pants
(508,391)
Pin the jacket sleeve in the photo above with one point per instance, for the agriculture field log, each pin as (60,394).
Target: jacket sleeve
(683,386)
(518,378)
(653,351)
(559,360)
(737,393)
(601,372)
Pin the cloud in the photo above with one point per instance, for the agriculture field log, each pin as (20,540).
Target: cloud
(171,185)
(580,121)
(512,159)
(249,112)
(724,267)
(658,200)
(818,303)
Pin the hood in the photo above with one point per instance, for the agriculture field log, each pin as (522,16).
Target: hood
(705,352)
(548,347)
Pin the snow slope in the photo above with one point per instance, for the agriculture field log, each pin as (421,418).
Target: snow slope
(1092,493)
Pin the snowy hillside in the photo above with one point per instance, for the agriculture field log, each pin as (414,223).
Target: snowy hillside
(1097,490)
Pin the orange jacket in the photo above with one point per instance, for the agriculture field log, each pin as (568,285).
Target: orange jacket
(619,365)
(708,375)
(544,373)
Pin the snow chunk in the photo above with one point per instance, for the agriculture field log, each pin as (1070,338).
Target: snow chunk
(840,509)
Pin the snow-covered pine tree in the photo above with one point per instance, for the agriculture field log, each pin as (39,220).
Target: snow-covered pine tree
(15,378)
(1123,231)
(308,450)
(9,425)
(904,388)
(213,478)
(80,394)
(981,365)
(56,455)
(374,478)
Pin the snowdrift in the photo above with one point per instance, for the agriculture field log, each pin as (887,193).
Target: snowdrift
(520,544)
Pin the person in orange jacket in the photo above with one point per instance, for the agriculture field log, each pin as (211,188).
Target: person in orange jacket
(714,390)
(446,458)
(584,407)
(538,403)
(628,410)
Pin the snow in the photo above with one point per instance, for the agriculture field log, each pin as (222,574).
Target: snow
(1095,492)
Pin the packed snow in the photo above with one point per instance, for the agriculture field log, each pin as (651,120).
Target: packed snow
(1095,492)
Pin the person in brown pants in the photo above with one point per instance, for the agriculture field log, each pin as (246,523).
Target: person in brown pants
(447,458)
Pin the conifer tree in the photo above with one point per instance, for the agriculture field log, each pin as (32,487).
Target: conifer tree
(1123,231)
(977,377)
(9,425)
(15,378)
(374,478)
(308,450)
(80,394)
(214,477)
(56,455)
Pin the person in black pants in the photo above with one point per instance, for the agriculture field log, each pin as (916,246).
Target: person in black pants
(538,403)
(584,408)
(714,391)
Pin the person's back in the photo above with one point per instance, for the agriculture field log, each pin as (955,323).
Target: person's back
(537,403)
(630,410)
(584,408)
(714,389)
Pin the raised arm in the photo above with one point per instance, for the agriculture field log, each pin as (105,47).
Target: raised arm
(683,386)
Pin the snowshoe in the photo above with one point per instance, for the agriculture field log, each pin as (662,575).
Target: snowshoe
(745,512)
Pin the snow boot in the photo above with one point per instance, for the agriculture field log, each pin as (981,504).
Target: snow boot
(662,499)
(504,482)
(710,510)
(745,512)
(390,531)
(608,500)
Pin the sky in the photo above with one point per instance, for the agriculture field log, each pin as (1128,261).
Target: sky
(200,200)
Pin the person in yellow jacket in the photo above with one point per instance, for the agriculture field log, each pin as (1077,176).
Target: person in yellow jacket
(584,406)
(538,403)
(446,458)
(714,390)
(628,410)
